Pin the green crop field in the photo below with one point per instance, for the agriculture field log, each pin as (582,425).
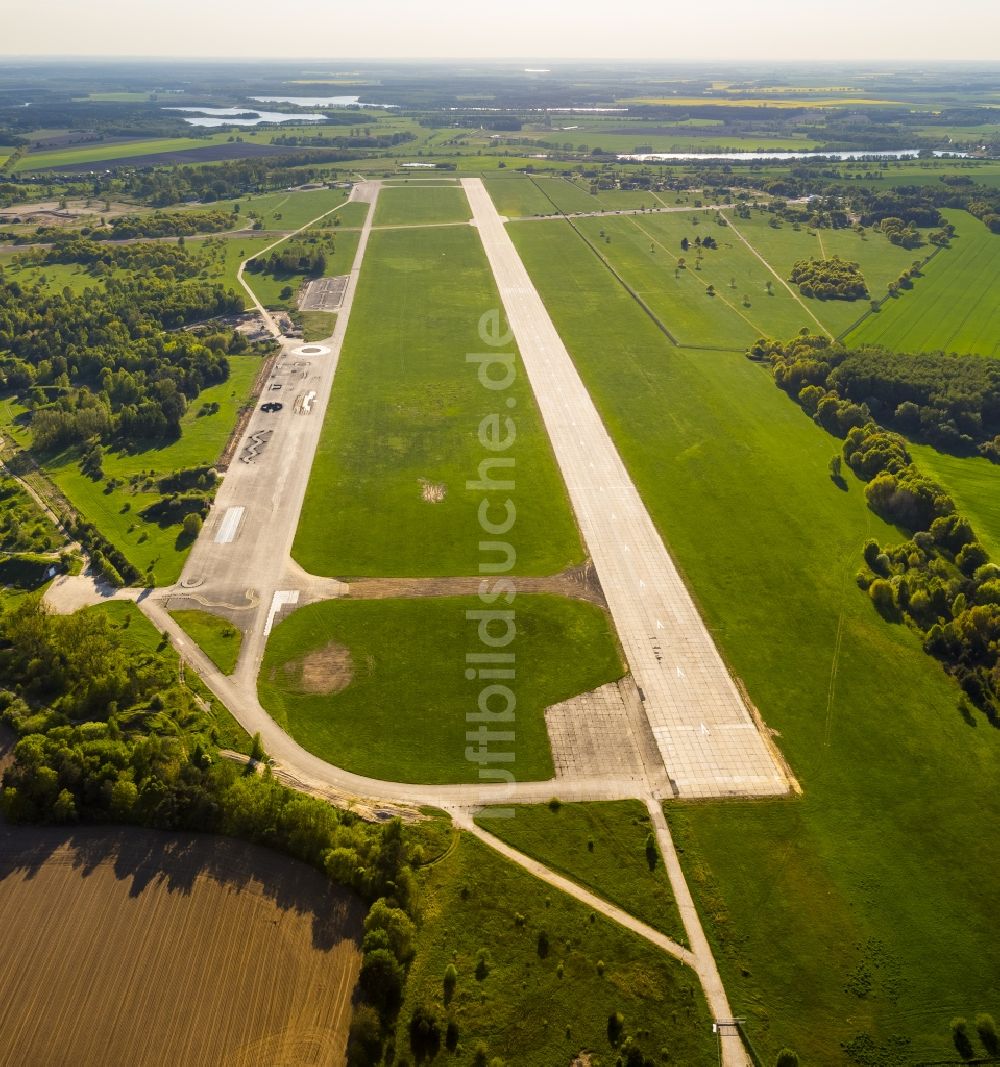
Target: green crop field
(421,205)
(98,151)
(846,915)
(218,638)
(400,440)
(955,306)
(116,513)
(535,1006)
(974,482)
(395,705)
(601,846)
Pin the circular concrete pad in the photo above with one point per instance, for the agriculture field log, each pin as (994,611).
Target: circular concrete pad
(311,350)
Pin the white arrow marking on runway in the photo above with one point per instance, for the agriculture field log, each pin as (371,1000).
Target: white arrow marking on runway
(642,584)
(704,730)
(659,626)
(680,672)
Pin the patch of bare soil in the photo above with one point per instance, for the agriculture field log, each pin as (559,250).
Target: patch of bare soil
(432,492)
(323,671)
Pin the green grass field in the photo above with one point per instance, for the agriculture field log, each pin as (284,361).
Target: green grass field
(601,846)
(142,635)
(881,262)
(290,209)
(955,306)
(645,252)
(218,638)
(116,514)
(317,325)
(402,427)
(848,915)
(421,205)
(403,715)
(535,1010)
(516,196)
(974,482)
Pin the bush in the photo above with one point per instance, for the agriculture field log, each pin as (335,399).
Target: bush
(960,1035)
(364,1043)
(381,980)
(450,981)
(987,1030)
(425,1033)
(191,524)
(787,1058)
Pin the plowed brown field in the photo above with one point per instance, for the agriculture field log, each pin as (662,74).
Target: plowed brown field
(131,946)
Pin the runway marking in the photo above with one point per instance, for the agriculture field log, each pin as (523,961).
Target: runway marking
(229,525)
(307,402)
(282,598)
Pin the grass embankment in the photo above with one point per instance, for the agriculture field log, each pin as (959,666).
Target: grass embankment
(954,307)
(856,914)
(537,1008)
(394,705)
(116,512)
(218,638)
(400,441)
(601,846)
(418,205)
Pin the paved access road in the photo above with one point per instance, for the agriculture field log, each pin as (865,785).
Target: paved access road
(708,740)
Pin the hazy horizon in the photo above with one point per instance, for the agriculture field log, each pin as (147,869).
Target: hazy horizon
(779,31)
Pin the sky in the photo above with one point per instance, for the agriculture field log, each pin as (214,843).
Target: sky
(847,30)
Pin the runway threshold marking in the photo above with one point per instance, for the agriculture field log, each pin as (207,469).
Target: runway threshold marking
(229,525)
(282,598)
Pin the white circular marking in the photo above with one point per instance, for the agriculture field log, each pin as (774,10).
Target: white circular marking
(311,350)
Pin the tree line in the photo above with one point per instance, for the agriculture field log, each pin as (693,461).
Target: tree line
(949,401)
(941,580)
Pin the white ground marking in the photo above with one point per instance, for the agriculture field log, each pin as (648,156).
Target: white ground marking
(307,401)
(229,525)
(311,350)
(637,574)
(281,599)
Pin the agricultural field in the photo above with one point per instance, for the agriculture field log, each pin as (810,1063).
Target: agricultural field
(841,916)
(170,948)
(396,709)
(400,439)
(953,307)
(602,846)
(99,152)
(218,638)
(538,1001)
(159,552)
(420,205)
(288,209)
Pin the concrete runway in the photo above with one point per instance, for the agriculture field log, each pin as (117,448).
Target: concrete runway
(706,736)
